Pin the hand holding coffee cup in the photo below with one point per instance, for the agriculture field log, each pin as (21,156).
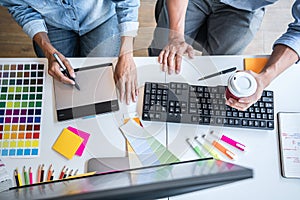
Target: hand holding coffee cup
(240,84)
(243,90)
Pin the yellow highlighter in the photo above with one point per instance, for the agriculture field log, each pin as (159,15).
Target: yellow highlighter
(208,148)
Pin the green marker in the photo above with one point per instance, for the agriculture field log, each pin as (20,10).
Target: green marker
(195,148)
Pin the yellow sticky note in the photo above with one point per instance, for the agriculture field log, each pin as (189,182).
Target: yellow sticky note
(67,143)
(255,64)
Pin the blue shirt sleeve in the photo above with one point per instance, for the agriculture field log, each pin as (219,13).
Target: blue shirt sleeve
(29,19)
(291,37)
(127,13)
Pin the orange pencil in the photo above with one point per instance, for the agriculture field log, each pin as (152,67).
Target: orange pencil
(49,173)
(39,174)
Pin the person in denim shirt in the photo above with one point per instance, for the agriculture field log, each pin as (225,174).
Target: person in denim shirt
(286,52)
(215,27)
(286,49)
(89,28)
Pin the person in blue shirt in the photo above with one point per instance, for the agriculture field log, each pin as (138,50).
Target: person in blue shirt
(286,49)
(102,28)
(214,27)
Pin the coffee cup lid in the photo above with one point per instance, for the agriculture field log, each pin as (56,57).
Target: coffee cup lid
(242,84)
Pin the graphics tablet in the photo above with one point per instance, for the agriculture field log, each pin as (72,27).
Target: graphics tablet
(97,93)
(143,183)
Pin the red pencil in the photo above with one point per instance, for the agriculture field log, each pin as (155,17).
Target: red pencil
(30,176)
(62,173)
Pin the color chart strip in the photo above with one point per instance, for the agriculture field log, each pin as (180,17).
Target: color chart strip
(21,101)
(149,150)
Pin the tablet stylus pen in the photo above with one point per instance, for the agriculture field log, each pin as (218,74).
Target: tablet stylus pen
(65,71)
(218,73)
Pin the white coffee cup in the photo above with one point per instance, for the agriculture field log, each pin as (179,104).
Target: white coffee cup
(240,84)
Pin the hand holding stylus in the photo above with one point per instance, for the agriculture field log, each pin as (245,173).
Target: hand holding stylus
(65,71)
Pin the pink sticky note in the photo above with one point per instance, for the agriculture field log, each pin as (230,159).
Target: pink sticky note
(84,135)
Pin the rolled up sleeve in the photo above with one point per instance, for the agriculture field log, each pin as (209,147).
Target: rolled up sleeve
(29,19)
(127,12)
(291,37)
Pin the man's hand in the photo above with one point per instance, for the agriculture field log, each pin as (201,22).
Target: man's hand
(245,102)
(171,56)
(53,67)
(55,72)
(126,78)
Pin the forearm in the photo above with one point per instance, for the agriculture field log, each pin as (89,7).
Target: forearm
(44,43)
(281,58)
(176,12)
(126,47)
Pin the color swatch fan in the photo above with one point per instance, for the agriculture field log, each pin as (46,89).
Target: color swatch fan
(21,101)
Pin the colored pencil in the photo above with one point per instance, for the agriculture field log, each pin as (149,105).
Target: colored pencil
(26,180)
(51,178)
(75,173)
(70,173)
(62,173)
(49,173)
(39,174)
(17,178)
(30,176)
(65,174)
(42,173)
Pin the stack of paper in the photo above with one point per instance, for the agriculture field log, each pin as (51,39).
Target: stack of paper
(71,142)
(5,181)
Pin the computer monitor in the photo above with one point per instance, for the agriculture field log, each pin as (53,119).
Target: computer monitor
(143,183)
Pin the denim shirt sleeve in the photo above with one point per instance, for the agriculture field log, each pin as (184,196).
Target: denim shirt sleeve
(30,20)
(127,12)
(291,38)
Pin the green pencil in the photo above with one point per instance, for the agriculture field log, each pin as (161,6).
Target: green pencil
(25,176)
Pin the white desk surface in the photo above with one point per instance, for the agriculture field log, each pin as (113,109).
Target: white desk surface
(106,140)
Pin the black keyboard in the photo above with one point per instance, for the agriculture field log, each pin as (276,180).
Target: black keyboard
(203,105)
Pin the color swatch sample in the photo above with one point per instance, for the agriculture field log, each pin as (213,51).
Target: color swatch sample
(149,150)
(21,101)
(67,143)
